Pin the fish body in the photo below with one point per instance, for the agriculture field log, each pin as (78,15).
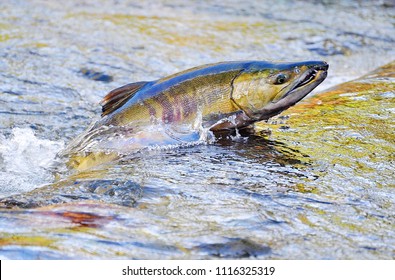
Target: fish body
(218,97)
(215,91)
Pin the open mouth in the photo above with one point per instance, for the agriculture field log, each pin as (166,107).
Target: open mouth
(307,79)
(314,75)
(311,74)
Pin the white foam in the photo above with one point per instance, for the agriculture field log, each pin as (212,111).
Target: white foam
(25,161)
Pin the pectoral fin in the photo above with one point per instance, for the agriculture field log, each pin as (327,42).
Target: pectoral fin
(117,97)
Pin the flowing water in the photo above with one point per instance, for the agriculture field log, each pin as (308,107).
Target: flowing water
(316,182)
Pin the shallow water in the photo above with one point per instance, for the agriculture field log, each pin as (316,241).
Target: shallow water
(315,183)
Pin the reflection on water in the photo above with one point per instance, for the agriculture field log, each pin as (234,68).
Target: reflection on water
(316,182)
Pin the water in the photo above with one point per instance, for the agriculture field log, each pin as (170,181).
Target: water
(315,183)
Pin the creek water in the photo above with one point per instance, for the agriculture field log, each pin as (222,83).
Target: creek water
(316,182)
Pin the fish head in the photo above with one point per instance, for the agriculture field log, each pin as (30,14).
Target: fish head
(262,90)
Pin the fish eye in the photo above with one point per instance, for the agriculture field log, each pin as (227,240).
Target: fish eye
(280,79)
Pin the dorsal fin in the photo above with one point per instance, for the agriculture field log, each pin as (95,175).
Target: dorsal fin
(119,96)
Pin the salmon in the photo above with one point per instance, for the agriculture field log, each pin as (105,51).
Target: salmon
(219,97)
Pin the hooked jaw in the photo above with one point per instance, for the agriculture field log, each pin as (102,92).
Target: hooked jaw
(310,79)
(311,74)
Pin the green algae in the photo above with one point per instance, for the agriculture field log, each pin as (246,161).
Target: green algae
(22,240)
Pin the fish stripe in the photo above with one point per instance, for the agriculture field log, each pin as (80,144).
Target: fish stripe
(168,111)
(151,109)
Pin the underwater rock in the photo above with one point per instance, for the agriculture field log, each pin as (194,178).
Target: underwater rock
(96,76)
(124,193)
(235,248)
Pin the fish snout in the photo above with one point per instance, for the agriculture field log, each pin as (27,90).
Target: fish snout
(322,66)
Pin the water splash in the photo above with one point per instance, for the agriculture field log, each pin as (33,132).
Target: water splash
(25,161)
(101,144)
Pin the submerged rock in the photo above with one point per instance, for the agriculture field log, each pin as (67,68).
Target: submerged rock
(124,193)
(235,249)
(95,75)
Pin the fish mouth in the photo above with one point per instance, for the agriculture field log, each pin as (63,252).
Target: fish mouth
(309,80)
(313,76)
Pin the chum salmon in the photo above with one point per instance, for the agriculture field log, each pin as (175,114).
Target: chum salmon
(223,97)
